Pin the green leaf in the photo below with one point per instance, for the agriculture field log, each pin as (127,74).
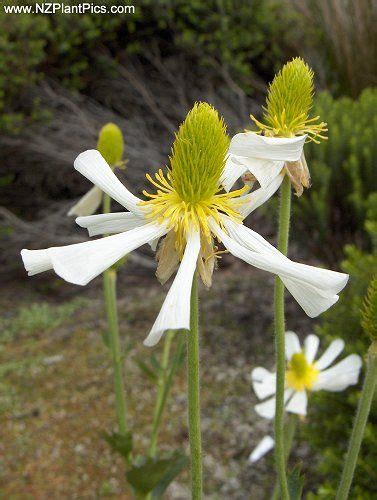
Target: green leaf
(147,370)
(121,443)
(153,475)
(295,483)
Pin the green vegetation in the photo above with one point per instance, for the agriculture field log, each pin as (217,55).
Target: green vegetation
(344,182)
(228,36)
(337,410)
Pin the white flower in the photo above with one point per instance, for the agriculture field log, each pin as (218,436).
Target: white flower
(192,225)
(263,157)
(303,374)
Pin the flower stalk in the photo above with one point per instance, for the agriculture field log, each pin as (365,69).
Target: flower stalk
(109,284)
(194,395)
(284,219)
(369,324)
(361,419)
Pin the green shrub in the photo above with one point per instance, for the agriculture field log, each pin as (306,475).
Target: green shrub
(330,414)
(343,175)
(235,38)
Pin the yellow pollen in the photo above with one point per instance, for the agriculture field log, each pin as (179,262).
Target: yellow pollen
(167,206)
(300,374)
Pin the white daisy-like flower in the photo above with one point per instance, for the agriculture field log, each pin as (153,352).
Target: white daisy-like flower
(303,374)
(192,213)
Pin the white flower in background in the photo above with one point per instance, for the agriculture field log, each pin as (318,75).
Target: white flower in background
(286,124)
(190,208)
(303,374)
(111,145)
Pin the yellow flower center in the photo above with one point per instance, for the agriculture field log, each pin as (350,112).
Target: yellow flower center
(167,206)
(300,374)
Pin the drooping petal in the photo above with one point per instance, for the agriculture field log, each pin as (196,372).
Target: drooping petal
(340,376)
(264,382)
(311,347)
(313,300)
(88,203)
(81,262)
(94,167)
(267,408)
(331,353)
(110,223)
(327,282)
(265,445)
(36,261)
(298,403)
(252,145)
(175,311)
(292,344)
(256,198)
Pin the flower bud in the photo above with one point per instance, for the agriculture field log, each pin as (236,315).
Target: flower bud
(110,143)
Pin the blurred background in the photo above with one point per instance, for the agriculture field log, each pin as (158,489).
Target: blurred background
(62,77)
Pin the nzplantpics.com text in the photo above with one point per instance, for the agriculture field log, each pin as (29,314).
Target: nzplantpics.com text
(62,8)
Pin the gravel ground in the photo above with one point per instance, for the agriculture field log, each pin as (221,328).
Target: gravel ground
(57,388)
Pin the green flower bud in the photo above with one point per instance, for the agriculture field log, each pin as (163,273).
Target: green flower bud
(110,143)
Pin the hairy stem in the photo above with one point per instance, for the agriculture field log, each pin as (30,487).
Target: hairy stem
(194,396)
(284,216)
(109,285)
(290,431)
(360,422)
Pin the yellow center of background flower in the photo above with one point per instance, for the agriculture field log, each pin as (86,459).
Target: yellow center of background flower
(300,374)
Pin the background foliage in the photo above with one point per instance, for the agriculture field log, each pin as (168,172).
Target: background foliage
(62,77)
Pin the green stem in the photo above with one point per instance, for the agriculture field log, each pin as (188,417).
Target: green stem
(109,284)
(284,216)
(194,396)
(290,431)
(361,419)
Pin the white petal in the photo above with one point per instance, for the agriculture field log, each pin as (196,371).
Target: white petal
(88,204)
(175,311)
(265,171)
(292,344)
(247,237)
(311,347)
(232,171)
(94,167)
(298,403)
(82,262)
(266,445)
(256,198)
(110,223)
(328,282)
(264,382)
(331,353)
(267,408)
(313,300)
(36,261)
(252,145)
(340,376)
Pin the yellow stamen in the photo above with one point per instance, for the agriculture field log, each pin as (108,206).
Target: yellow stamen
(300,374)
(167,206)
